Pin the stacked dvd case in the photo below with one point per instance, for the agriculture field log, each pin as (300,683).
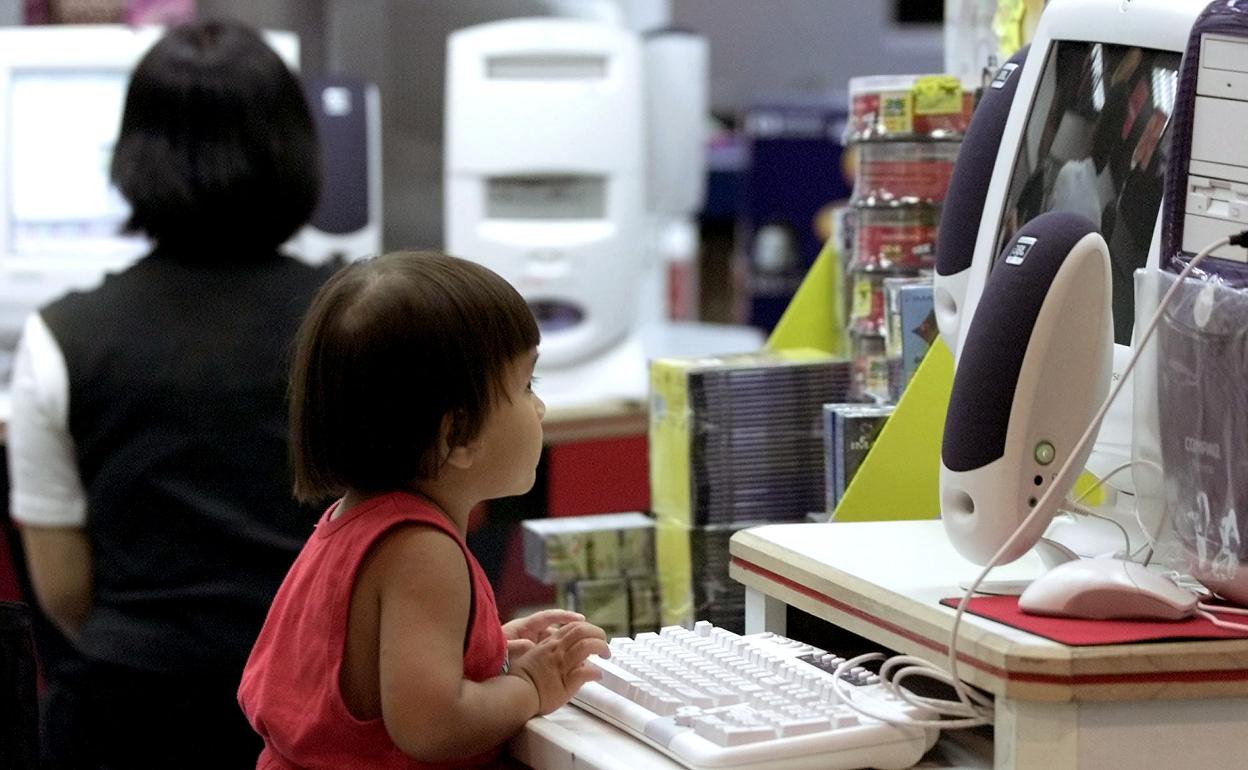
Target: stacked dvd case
(745,431)
(734,442)
(693,573)
(849,431)
(716,596)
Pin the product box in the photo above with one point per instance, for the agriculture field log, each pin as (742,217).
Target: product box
(893,326)
(849,431)
(620,606)
(570,548)
(917,326)
(643,604)
(831,414)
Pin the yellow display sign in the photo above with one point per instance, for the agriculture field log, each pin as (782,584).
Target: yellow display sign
(937,95)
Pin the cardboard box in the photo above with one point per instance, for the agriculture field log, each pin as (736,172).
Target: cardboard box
(571,548)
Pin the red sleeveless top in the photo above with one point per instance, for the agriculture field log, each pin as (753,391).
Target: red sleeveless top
(290,687)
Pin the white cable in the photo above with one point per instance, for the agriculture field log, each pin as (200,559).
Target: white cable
(1102,481)
(1075,508)
(969,701)
(1150,538)
(1202,610)
(1227,610)
(848,693)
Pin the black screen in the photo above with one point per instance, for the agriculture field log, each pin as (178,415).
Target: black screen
(1095,144)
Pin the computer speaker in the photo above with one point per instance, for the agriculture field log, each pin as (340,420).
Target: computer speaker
(964,202)
(347,221)
(1034,368)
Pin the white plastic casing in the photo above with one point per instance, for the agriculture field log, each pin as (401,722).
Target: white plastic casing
(677,104)
(947,294)
(1158,24)
(1217,184)
(550,110)
(1060,387)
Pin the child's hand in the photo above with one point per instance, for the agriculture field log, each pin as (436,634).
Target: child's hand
(556,665)
(538,626)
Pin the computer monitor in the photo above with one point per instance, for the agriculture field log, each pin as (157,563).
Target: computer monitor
(62,92)
(1088,132)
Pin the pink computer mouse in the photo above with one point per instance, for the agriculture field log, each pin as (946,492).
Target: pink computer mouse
(1107,589)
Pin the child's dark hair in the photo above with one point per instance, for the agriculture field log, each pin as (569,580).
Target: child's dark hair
(389,348)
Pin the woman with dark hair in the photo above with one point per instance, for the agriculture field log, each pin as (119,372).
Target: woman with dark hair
(147,448)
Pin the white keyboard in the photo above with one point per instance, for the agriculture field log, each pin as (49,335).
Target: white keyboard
(711,698)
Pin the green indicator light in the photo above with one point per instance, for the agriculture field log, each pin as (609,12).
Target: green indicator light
(1045,453)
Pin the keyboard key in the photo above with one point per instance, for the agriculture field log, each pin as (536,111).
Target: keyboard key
(803,726)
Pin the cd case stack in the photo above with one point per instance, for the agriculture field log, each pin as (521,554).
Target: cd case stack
(716,596)
(734,441)
(693,574)
(740,438)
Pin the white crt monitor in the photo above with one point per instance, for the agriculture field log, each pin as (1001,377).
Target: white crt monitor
(1088,132)
(62,92)
(544,176)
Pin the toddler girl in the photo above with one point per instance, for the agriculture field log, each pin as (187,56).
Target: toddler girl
(411,401)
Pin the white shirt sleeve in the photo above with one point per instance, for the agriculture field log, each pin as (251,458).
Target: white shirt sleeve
(46,489)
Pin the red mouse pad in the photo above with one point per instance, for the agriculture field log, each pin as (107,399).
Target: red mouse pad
(1082,633)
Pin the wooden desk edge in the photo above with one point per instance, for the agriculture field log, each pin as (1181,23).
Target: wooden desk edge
(1040,670)
(611,419)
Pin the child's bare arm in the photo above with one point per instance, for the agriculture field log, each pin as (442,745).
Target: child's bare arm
(430,711)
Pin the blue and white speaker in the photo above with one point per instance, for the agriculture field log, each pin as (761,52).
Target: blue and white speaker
(346,223)
(1035,367)
(964,203)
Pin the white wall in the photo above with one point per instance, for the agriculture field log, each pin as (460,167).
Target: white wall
(769,47)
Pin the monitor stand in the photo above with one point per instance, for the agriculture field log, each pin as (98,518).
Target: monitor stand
(1051,553)
(1075,536)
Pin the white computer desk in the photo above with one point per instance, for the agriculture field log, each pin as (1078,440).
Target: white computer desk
(570,739)
(1157,705)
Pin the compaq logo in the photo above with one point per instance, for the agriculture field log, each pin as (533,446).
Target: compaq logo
(1018,252)
(1207,448)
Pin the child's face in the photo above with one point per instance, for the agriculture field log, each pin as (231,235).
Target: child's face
(511,440)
